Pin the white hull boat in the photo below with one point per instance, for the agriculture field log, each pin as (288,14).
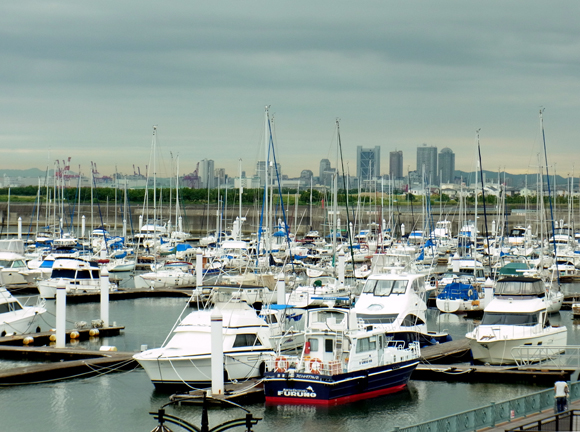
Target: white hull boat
(185,361)
(18,319)
(517,316)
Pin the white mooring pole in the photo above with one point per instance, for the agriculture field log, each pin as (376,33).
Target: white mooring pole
(61,314)
(105,297)
(217,353)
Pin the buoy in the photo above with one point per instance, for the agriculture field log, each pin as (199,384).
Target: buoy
(74,334)
(52,338)
(93,332)
(108,348)
(28,340)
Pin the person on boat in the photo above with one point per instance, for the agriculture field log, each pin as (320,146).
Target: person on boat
(561,395)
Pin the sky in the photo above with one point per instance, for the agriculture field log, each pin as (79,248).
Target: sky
(90,79)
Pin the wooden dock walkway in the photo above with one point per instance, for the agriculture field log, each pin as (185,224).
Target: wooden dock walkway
(61,363)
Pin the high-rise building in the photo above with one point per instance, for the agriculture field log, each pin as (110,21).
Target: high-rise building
(324,172)
(396,165)
(446,165)
(207,173)
(427,158)
(368,163)
(272,173)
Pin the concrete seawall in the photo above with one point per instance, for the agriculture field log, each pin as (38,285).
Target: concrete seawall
(199,219)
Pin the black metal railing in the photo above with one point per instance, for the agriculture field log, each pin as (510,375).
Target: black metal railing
(564,421)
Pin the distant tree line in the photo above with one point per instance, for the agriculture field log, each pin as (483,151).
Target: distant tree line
(249,196)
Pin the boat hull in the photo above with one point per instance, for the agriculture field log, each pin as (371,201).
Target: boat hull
(498,351)
(458,305)
(308,388)
(194,371)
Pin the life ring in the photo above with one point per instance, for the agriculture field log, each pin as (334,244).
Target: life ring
(470,292)
(281,364)
(315,365)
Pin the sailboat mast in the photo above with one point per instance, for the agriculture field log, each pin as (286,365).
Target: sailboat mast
(266,182)
(335,198)
(154,186)
(240,193)
(176,195)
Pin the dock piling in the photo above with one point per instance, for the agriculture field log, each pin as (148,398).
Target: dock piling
(61,314)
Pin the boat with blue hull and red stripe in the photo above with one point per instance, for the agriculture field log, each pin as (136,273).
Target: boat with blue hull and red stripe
(343,360)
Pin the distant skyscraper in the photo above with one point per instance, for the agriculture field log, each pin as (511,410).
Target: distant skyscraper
(324,172)
(368,163)
(272,174)
(447,165)
(207,173)
(427,157)
(396,164)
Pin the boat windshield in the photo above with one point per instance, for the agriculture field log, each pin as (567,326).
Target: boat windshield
(521,319)
(385,288)
(9,307)
(520,286)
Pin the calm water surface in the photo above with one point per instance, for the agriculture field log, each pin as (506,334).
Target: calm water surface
(122,401)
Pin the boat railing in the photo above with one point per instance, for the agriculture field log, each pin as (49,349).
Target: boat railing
(303,365)
(495,413)
(565,356)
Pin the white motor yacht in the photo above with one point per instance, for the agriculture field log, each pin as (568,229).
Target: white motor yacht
(16,318)
(185,361)
(517,316)
(397,302)
(78,276)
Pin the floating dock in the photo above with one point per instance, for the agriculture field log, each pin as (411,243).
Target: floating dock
(43,338)
(451,361)
(60,363)
(77,298)
(63,363)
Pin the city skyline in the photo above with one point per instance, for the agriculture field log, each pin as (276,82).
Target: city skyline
(89,81)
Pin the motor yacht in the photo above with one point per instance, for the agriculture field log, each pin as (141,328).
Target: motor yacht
(517,316)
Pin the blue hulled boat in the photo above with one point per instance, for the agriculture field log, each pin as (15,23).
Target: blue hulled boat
(342,361)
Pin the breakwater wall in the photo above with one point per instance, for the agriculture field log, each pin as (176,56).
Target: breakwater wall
(200,219)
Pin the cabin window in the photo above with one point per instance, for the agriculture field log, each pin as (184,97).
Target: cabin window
(399,287)
(328,346)
(313,344)
(522,319)
(366,344)
(8,307)
(369,287)
(246,340)
(18,264)
(270,318)
(63,273)
(384,288)
(95,274)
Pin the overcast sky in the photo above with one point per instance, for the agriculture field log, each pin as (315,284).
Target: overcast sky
(89,79)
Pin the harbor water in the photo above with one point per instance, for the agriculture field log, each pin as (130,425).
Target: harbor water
(121,401)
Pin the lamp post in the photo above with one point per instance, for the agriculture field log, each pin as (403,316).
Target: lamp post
(162,418)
